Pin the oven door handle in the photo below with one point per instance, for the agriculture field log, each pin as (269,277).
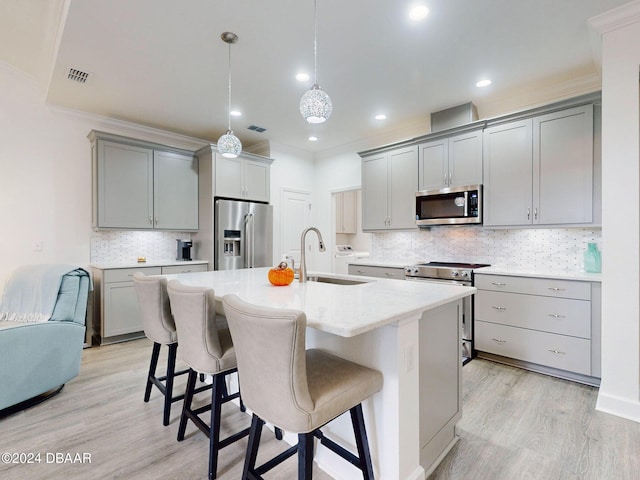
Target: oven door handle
(438,280)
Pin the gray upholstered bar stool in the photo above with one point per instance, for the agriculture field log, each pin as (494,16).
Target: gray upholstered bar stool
(205,345)
(299,390)
(158,326)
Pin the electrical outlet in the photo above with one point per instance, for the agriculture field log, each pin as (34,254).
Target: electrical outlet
(37,246)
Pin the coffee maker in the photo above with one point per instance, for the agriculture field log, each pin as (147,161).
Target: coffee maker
(184,250)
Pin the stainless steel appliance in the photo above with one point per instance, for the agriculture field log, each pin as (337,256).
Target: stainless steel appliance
(184,250)
(454,274)
(243,234)
(449,206)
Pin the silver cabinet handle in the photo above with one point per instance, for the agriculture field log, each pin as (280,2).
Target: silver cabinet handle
(535,213)
(557,352)
(556,289)
(555,315)
(497,340)
(150,220)
(156,220)
(450,178)
(445,179)
(360,271)
(499,284)
(528,214)
(388,274)
(501,309)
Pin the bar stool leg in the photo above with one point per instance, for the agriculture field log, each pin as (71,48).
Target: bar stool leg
(218,390)
(155,353)
(362,443)
(186,406)
(168,391)
(305,456)
(248,471)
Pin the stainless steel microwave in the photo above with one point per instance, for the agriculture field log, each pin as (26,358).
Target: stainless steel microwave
(449,206)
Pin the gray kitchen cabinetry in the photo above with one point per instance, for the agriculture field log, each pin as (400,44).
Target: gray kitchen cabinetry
(142,186)
(546,325)
(346,212)
(377,271)
(242,178)
(117,315)
(540,170)
(389,183)
(450,161)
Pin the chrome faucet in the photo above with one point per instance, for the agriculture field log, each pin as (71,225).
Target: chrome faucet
(303,263)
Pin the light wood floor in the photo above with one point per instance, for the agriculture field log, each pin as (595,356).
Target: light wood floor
(516,425)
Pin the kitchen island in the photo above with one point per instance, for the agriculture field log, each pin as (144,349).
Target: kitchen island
(410,331)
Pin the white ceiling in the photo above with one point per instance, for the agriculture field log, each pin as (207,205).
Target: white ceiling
(162,63)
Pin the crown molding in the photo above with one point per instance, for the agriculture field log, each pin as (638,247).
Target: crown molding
(133,130)
(606,22)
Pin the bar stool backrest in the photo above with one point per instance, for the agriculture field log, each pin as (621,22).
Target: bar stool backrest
(270,350)
(157,320)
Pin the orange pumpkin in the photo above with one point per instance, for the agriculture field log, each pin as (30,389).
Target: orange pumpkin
(281,275)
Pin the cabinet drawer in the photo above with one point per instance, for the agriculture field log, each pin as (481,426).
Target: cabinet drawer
(184,269)
(381,272)
(126,274)
(553,315)
(547,287)
(557,351)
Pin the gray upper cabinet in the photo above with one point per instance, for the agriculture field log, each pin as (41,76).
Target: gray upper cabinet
(389,183)
(450,161)
(539,171)
(143,187)
(242,178)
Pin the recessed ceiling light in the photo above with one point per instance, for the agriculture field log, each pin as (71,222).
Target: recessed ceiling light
(418,12)
(235,113)
(483,83)
(302,77)
(381,116)
(313,139)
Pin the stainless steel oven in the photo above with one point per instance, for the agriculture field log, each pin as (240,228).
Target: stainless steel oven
(449,206)
(451,273)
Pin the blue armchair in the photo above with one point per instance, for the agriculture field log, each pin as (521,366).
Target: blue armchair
(42,330)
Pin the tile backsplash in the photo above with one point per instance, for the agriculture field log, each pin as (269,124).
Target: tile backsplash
(118,247)
(553,249)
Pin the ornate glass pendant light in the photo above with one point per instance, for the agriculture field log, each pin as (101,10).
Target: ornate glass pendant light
(228,144)
(315,104)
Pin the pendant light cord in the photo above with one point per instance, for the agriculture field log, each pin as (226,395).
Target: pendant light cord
(229,110)
(315,42)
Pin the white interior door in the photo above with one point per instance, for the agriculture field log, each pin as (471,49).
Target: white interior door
(295,216)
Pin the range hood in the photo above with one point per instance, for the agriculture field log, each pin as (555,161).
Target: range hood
(454,117)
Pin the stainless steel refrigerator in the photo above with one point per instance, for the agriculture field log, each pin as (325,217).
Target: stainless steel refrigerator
(243,234)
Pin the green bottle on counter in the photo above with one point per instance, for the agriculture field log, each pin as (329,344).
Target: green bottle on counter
(592,259)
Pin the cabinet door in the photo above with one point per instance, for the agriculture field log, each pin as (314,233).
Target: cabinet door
(256,180)
(121,310)
(374,192)
(563,179)
(508,183)
(433,171)
(465,159)
(228,174)
(403,176)
(125,186)
(175,191)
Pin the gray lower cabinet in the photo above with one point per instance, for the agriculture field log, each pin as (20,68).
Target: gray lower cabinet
(540,170)
(396,273)
(117,314)
(142,186)
(548,325)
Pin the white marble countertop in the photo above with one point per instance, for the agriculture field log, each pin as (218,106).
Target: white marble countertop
(153,263)
(344,310)
(533,272)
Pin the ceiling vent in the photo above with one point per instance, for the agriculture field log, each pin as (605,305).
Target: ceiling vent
(78,76)
(255,128)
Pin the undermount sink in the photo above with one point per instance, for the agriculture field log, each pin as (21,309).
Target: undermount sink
(334,280)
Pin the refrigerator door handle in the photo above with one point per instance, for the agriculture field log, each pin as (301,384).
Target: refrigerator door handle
(249,238)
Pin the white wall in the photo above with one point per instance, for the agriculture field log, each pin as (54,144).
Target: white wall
(620,389)
(45,179)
